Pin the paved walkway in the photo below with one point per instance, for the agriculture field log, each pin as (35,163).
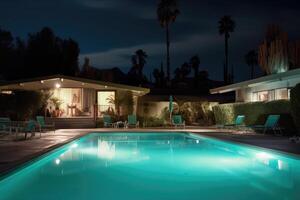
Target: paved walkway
(14,153)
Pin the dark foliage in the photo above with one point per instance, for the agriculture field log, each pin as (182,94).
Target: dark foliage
(21,105)
(42,54)
(295,105)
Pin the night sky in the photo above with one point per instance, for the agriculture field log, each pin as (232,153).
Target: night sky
(110,31)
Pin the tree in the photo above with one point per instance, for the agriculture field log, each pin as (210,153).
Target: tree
(138,61)
(226,26)
(183,71)
(195,63)
(141,60)
(167,13)
(251,60)
(6,50)
(156,74)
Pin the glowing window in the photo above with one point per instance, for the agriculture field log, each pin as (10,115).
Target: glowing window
(281,93)
(106,101)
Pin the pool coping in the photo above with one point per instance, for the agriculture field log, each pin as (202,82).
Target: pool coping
(19,164)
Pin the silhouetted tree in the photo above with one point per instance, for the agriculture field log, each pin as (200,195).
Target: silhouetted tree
(162,75)
(183,71)
(156,75)
(138,61)
(167,12)
(48,54)
(195,63)
(251,59)
(6,51)
(226,26)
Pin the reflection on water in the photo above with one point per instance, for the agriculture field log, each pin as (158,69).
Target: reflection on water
(157,166)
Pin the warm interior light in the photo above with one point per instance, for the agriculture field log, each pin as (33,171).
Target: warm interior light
(105,86)
(62,80)
(57,85)
(42,81)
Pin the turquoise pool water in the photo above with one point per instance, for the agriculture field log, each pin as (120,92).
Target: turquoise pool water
(155,166)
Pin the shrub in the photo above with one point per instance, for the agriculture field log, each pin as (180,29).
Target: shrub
(151,121)
(21,104)
(255,112)
(295,105)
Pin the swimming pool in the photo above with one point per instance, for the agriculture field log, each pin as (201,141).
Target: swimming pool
(155,166)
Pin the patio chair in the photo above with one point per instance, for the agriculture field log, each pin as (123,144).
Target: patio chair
(177,121)
(43,126)
(239,122)
(132,121)
(27,127)
(4,124)
(107,120)
(271,124)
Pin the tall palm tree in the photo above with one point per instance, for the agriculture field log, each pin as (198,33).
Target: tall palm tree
(167,13)
(138,62)
(226,26)
(195,63)
(251,59)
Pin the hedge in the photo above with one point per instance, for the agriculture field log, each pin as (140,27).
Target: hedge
(295,105)
(255,112)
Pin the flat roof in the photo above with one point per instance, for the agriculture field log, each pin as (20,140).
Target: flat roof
(258,81)
(48,82)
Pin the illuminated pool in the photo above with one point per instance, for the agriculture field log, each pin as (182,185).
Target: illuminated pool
(155,166)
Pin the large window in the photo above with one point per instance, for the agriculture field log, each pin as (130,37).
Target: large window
(270,95)
(106,102)
(66,102)
(282,93)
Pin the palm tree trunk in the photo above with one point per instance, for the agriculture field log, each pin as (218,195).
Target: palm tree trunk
(226,58)
(196,77)
(252,71)
(168,50)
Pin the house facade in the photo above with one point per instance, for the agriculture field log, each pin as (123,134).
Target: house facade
(266,88)
(74,97)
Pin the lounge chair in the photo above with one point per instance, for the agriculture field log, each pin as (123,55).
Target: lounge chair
(5,125)
(132,121)
(239,122)
(177,121)
(27,127)
(43,125)
(107,120)
(270,124)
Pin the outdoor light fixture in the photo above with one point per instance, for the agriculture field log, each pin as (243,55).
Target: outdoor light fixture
(42,81)
(57,85)
(21,84)
(105,86)
(62,80)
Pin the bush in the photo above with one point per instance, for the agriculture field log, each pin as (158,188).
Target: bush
(255,112)
(295,105)
(21,104)
(151,121)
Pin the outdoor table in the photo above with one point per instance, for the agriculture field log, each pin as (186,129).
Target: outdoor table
(118,124)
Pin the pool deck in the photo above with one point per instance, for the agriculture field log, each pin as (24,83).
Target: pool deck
(13,152)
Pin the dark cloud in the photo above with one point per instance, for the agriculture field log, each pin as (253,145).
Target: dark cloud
(109,31)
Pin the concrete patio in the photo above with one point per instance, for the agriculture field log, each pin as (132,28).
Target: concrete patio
(13,152)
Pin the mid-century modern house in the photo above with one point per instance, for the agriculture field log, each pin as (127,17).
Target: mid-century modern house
(266,88)
(76,97)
